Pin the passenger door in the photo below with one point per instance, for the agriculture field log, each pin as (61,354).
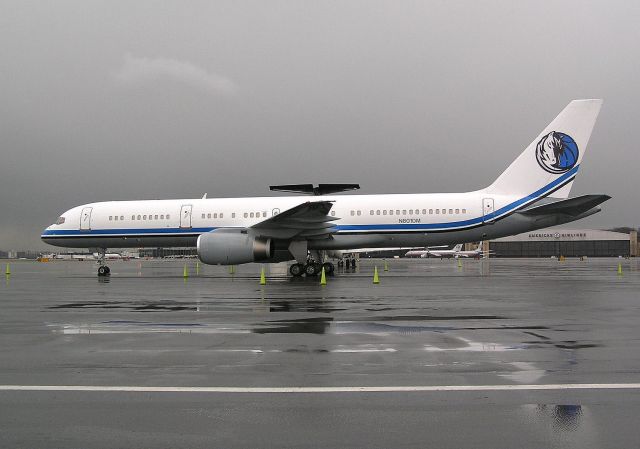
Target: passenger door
(185,216)
(275,212)
(488,208)
(85,219)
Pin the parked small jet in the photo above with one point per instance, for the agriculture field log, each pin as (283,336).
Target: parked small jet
(532,193)
(455,252)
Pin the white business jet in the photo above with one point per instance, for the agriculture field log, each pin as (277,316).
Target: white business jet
(532,193)
(455,252)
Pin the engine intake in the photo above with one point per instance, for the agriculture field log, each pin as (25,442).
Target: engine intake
(233,246)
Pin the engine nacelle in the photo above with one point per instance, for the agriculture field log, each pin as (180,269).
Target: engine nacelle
(233,246)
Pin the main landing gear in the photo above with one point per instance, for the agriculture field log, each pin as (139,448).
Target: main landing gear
(103,270)
(311,268)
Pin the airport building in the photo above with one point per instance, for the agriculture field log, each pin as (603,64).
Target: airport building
(566,242)
(168,252)
(19,254)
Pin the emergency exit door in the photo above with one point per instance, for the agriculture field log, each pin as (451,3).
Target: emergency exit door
(488,209)
(85,219)
(185,216)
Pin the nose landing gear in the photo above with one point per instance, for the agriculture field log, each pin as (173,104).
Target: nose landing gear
(103,270)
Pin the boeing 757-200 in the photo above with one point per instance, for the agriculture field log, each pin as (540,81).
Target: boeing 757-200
(532,193)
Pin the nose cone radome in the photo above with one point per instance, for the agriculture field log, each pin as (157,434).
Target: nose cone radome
(45,234)
(60,223)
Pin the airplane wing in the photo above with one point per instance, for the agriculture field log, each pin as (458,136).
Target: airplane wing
(308,220)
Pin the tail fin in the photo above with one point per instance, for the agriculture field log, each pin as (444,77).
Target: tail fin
(458,247)
(549,164)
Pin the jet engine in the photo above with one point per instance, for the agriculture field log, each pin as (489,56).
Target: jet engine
(233,246)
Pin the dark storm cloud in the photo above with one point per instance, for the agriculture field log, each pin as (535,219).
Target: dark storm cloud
(134,100)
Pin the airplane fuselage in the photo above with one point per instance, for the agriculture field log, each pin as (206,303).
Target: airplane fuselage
(361,220)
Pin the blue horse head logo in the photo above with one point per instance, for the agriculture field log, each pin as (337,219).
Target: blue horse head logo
(557,152)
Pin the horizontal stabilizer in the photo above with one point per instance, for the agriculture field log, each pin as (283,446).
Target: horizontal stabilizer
(572,206)
(309,189)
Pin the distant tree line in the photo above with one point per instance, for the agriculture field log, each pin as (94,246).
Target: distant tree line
(624,229)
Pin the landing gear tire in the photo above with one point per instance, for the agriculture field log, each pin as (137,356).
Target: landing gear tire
(103,270)
(312,269)
(328,268)
(296,270)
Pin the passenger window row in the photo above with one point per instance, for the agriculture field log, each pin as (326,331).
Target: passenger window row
(255,214)
(414,212)
(141,217)
(263,214)
(210,215)
(213,215)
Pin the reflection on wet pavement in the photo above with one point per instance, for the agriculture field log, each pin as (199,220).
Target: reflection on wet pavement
(424,313)
(162,306)
(566,425)
(523,373)
(565,417)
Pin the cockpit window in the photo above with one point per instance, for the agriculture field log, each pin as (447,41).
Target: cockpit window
(60,220)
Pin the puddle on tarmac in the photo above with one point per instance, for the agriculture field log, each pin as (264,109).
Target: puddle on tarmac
(434,318)
(565,417)
(569,344)
(302,306)
(363,325)
(302,326)
(324,325)
(560,418)
(143,327)
(156,306)
(524,373)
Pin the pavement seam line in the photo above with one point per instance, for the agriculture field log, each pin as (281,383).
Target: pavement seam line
(361,389)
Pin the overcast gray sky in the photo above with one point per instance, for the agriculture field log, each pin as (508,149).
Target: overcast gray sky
(136,100)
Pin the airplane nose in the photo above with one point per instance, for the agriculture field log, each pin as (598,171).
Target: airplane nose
(44,234)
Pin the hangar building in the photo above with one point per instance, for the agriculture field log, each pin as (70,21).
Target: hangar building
(566,242)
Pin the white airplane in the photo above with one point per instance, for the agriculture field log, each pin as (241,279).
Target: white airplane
(455,252)
(426,252)
(532,193)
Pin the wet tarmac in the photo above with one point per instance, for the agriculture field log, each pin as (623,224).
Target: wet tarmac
(429,322)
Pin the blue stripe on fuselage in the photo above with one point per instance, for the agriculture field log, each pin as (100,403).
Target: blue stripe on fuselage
(459,224)
(124,232)
(372,227)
